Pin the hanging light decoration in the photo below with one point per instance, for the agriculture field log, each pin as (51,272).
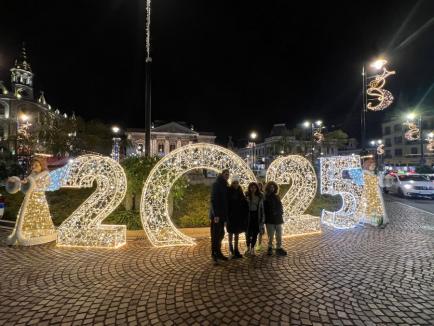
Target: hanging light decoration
(380,97)
(380,149)
(413,132)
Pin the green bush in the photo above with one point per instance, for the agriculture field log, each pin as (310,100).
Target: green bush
(193,208)
(129,218)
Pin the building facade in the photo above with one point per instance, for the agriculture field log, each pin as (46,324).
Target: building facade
(165,138)
(19,109)
(400,151)
(280,142)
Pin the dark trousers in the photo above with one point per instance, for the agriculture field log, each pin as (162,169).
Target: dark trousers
(217,235)
(252,229)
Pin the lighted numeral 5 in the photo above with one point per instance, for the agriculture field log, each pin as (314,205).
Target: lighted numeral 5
(342,175)
(83,227)
(298,172)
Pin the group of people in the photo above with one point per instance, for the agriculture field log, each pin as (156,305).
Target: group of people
(251,213)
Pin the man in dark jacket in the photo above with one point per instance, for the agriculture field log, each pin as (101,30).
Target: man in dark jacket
(273,218)
(219,214)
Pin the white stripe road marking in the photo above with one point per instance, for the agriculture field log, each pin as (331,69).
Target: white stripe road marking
(419,209)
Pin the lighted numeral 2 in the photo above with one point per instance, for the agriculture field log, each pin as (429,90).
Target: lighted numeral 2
(299,173)
(83,227)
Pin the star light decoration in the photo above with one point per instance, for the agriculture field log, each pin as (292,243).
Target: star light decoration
(155,195)
(413,132)
(298,172)
(343,175)
(83,227)
(383,97)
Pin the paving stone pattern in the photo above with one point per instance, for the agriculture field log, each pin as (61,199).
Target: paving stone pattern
(363,276)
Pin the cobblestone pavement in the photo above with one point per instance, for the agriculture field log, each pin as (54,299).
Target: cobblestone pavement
(363,276)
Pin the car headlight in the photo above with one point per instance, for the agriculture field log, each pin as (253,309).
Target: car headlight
(408,186)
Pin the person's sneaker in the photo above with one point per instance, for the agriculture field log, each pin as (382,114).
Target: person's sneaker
(237,254)
(270,251)
(281,252)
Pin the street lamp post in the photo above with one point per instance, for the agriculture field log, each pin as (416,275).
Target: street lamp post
(148,63)
(379,151)
(116,143)
(253,136)
(312,127)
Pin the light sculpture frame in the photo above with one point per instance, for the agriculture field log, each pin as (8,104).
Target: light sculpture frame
(380,149)
(299,173)
(376,90)
(343,175)
(430,145)
(83,227)
(413,132)
(155,195)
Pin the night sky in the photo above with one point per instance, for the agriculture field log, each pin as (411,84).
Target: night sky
(224,66)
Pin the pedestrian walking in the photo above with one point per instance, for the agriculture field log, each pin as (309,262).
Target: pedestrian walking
(218,214)
(237,216)
(273,218)
(256,217)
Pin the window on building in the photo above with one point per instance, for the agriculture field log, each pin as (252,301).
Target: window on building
(388,153)
(397,127)
(2,110)
(387,130)
(2,133)
(172,147)
(398,140)
(388,142)
(414,150)
(160,148)
(398,152)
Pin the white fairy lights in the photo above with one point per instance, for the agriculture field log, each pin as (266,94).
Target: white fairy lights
(383,97)
(299,173)
(154,203)
(380,149)
(83,227)
(34,224)
(374,210)
(413,132)
(342,175)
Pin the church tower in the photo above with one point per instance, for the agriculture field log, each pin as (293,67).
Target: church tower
(22,77)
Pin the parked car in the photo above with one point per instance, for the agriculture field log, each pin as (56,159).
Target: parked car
(411,185)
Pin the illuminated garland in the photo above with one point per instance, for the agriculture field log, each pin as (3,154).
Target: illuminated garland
(83,227)
(342,175)
(382,96)
(34,224)
(154,203)
(299,173)
(413,132)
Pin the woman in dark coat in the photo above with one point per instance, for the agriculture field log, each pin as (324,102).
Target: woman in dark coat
(256,218)
(237,216)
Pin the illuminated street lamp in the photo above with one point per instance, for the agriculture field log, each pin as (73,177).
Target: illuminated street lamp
(253,135)
(116,143)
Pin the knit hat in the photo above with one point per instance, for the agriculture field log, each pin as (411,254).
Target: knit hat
(235,178)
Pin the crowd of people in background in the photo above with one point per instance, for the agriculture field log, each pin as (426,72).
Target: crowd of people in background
(253,212)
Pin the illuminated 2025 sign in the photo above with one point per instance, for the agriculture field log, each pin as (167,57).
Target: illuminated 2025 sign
(339,176)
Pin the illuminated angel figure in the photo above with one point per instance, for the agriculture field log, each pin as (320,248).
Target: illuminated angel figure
(382,96)
(34,225)
(318,137)
(413,132)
